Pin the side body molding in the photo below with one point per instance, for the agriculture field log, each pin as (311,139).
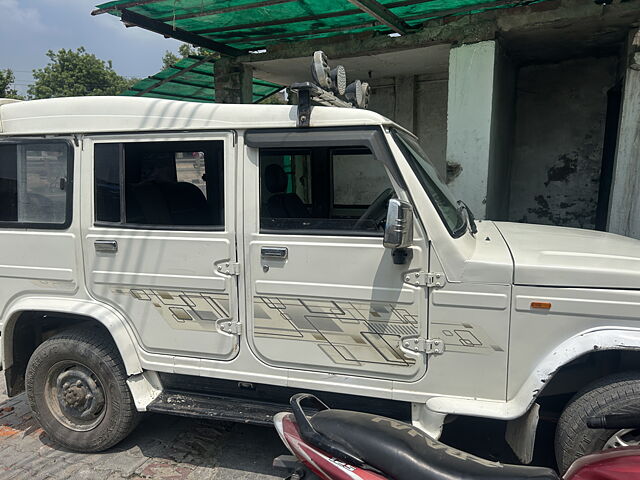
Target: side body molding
(112,321)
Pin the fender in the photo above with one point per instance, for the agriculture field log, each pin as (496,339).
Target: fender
(601,339)
(113,322)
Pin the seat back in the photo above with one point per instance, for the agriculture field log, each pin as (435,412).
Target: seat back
(281,204)
(167,203)
(405,453)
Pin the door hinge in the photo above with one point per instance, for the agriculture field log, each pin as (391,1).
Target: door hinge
(229,268)
(429,346)
(425,279)
(226,325)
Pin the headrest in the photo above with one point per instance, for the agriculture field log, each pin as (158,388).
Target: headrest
(275,179)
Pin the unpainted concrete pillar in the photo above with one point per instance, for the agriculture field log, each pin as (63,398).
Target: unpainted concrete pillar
(624,204)
(233,81)
(404,112)
(479,126)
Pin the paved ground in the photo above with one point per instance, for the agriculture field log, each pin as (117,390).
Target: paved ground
(161,448)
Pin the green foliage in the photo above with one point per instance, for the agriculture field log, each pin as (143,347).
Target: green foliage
(6,80)
(169,58)
(184,50)
(72,73)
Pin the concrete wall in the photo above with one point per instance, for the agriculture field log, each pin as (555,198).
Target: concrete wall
(624,208)
(557,154)
(419,105)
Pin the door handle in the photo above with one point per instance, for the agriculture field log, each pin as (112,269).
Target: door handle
(280,253)
(106,246)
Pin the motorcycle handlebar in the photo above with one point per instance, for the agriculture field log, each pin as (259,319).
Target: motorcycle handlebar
(619,421)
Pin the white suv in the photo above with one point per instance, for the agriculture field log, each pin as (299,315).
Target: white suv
(210,260)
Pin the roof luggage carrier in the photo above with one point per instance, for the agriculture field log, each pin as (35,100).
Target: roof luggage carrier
(329,88)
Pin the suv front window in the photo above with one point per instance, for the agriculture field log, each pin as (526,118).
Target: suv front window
(442,198)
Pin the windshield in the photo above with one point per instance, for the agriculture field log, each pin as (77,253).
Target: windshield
(438,192)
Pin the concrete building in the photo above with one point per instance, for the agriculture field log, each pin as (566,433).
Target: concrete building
(531,111)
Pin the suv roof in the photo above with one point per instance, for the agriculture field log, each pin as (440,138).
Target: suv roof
(122,114)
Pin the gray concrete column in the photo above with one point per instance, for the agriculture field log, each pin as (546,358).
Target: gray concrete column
(404,111)
(481,108)
(624,204)
(233,81)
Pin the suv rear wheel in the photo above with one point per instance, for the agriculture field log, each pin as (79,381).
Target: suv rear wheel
(76,386)
(616,394)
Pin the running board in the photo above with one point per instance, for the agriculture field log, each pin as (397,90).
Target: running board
(187,404)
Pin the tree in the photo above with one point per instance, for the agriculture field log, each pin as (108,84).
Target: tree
(6,80)
(184,50)
(72,73)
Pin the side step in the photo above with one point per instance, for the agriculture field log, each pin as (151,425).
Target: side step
(187,404)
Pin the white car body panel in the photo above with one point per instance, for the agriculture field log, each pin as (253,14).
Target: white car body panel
(499,351)
(570,257)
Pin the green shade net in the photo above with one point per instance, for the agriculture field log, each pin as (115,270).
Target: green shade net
(184,81)
(255,24)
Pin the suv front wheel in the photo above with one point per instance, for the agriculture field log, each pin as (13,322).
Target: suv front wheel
(615,394)
(76,386)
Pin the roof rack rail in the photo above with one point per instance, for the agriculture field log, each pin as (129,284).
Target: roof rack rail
(329,88)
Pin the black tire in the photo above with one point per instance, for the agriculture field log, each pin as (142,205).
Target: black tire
(614,394)
(87,354)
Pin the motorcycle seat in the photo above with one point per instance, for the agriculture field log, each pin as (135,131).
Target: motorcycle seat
(403,452)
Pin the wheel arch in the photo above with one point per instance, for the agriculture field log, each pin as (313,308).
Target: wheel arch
(582,343)
(589,345)
(30,321)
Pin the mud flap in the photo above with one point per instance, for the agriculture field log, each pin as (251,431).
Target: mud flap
(521,434)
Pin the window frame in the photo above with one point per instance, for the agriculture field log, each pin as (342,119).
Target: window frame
(371,138)
(68,212)
(122,224)
(400,143)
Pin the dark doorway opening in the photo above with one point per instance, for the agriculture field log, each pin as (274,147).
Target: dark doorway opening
(612,123)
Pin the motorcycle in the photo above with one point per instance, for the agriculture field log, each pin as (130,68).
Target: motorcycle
(332,444)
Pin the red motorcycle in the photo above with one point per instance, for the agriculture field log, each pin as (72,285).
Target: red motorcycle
(345,445)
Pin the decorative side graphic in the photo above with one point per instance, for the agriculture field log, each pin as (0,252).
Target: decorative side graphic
(349,333)
(464,338)
(183,310)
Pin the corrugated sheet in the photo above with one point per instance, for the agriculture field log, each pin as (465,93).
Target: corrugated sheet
(255,24)
(191,79)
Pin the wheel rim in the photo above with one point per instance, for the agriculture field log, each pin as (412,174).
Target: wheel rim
(627,437)
(75,396)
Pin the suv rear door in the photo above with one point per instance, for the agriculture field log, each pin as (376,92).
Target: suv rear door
(159,231)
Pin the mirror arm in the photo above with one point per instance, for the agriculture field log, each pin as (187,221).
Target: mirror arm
(401,255)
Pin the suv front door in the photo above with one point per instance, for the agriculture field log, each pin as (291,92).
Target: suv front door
(158,234)
(324,294)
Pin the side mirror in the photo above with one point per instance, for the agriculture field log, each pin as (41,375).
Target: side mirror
(398,232)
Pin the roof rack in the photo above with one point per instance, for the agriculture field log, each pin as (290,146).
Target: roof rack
(329,88)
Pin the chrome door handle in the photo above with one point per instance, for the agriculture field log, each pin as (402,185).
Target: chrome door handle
(280,253)
(106,246)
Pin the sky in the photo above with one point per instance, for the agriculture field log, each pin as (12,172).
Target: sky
(31,27)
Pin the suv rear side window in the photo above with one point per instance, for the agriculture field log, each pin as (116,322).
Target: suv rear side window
(35,186)
(325,191)
(160,184)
